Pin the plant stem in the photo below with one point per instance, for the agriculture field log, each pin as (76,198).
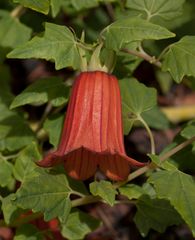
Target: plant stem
(9,156)
(85,200)
(132,175)
(149,133)
(144,169)
(18,11)
(84,46)
(176,149)
(78,193)
(144,55)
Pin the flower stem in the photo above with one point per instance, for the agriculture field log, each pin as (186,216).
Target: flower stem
(149,134)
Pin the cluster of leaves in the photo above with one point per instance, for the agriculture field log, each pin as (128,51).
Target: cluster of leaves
(168,195)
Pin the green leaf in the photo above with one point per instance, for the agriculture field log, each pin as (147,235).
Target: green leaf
(167,165)
(131,30)
(3,53)
(37,5)
(10,211)
(57,44)
(155,118)
(14,131)
(126,63)
(137,96)
(149,190)
(12,31)
(25,162)
(180,193)
(179,158)
(164,80)
(131,191)
(28,232)
(43,90)
(136,99)
(56,5)
(155,214)
(46,193)
(180,59)
(105,190)
(78,225)
(6,169)
(188,131)
(77,187)
(75,4)
(53,125)
(165,9)
(78,5)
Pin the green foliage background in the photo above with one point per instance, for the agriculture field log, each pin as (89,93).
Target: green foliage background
(160,32)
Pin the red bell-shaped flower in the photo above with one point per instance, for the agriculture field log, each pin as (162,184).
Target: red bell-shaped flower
(92,136)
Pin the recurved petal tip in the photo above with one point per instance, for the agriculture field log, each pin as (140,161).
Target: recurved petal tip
(135,163)
(50,160)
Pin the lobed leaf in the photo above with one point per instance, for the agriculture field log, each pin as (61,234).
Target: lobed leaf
(75,4)
(179,158)
(12,32)
(155,214)
(189,130)
(37,5)
(136,99)
(43,90)
(155,118)
(10,211)
(46,193)
(131,191)
(131,30)
(180,59)
(6,169)
(14,131)
(57,44)
(53,125)
(179,189)
(78,225)
(56,6)
(25,162)
(105,190)
(165,9)
(78,5)
(167,165)
(28,232)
